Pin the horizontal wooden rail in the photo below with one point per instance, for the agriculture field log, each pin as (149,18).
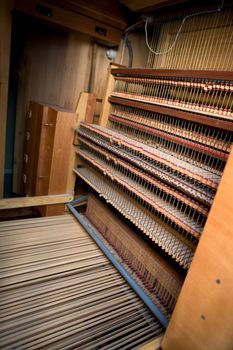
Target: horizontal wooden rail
(176,73)
(175,113)
(20,202)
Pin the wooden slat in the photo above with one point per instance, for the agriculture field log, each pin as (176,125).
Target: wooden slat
(71,20)
(20,202)
(176,73)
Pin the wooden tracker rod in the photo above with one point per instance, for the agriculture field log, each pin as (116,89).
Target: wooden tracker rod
(59,291)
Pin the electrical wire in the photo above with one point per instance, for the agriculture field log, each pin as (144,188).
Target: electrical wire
(179,30)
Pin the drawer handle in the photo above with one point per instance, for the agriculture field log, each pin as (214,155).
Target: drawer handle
(48,124)
(29,113)
(28,135)
(25,158)
(24,178)
(42,177)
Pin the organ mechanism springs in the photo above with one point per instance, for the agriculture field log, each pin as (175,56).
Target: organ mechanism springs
(160,159)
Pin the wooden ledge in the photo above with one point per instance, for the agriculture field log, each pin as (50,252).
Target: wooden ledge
(20,202)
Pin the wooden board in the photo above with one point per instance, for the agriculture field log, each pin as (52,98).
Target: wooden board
(22,202)
(71,20)
(5,43)
(203,316)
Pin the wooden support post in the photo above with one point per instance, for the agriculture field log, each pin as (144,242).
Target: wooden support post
(21,202)
(203,316)
(5,43)
(106,105)
(85,113)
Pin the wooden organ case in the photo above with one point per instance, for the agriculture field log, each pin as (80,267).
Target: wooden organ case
(157,158)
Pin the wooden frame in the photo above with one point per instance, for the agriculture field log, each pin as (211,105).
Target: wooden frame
(180,73)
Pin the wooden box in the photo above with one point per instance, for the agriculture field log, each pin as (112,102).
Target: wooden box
(47,152)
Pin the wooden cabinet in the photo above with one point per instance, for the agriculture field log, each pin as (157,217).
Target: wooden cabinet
(47,152)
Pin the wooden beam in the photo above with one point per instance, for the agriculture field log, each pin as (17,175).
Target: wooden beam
(21,202)
(106,104)
(168,73)
(203,316)
(175,113)
(5,43)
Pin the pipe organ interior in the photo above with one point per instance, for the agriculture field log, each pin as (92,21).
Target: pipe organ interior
(160,159)
(152,168)
(160,150)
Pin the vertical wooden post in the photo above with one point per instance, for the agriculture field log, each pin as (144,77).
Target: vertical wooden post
(85,112)
(106,105)
(203,316)
(5,43)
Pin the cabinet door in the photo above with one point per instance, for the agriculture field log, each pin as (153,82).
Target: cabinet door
(48,127)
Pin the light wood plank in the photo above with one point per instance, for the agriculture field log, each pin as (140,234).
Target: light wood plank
(11,203)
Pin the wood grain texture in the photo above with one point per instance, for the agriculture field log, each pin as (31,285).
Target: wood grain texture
(203,316)
(181,73)
(22,202)
(71,20)
(55,69)
(106,105)
(5,43)
(153,345)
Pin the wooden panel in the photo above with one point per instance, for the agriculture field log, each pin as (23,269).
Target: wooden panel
(22,202)
(138,5)
(84,112)
(204,43)
(5,42)
(54,153)
(31,146)
(45,152)
(105,11)
(203,316)
(71,20)
(61,152)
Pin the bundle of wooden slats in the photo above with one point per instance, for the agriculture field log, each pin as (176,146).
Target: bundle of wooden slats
(58,291)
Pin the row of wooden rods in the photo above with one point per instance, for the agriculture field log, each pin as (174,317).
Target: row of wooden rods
(57,290)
